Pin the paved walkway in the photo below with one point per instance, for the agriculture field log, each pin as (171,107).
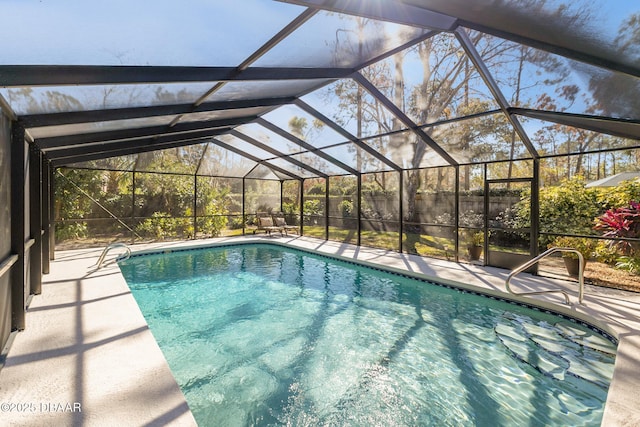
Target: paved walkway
(87,357)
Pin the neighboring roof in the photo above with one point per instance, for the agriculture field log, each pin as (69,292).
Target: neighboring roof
(276,82)
(614,180)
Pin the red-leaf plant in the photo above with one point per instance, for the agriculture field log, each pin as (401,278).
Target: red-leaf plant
(622,222)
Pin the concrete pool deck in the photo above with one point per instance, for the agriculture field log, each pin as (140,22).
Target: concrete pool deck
(87,357)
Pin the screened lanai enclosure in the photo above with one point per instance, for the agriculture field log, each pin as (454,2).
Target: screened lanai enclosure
(426,127)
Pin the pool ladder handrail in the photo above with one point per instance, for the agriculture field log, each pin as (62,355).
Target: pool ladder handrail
(537,259)
(100,262)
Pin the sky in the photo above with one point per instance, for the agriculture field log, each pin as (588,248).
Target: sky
(164,32)
(138,32)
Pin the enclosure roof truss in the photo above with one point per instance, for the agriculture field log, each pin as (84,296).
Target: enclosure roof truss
(339,52)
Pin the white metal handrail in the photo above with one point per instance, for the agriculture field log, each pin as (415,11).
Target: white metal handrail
(100,262)
(537,259)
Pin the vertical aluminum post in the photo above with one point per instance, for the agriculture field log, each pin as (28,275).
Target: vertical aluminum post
(18,181)
(35,219)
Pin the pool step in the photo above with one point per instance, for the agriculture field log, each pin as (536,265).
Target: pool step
(558,350)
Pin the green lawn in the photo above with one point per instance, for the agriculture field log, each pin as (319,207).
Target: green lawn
(425,245)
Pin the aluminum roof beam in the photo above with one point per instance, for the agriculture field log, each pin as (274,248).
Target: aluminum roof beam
(124,152)
(426,139)
(282,34)
(106,147)
(254,158)
(74,75)
(438,21)
(436,16)
(277,153)
(432,17)
(386,11)
(90,116)
(318,152)
(348,136)
(477,61)
(618,127)
(559,50)
(136,133)
(530,32)
(427,35)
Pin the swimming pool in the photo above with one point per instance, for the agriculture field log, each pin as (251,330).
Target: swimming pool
(262,335)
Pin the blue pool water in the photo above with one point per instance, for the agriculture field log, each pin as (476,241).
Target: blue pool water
(262,335)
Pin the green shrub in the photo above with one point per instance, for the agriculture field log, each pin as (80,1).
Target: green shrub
(70,230)
(214,207)
(568,208)
(291,211)
(71,204)
(605,253)
(346,208)
(474,238)
(213,225)
(162,226)
(630,264)
(290,208)
(619,196)
(583,245)
(311,208)
(237,222)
